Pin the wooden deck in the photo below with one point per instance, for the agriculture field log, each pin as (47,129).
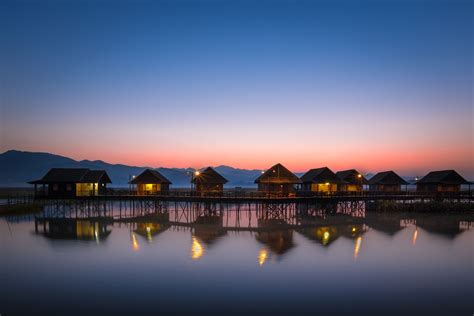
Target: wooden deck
(256,198)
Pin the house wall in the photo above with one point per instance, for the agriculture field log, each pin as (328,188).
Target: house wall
(87,189)
(286,188)
(351,187)
(385,188)
(323,187)
(438,188)
(211,188)
(61,190)
(148,188)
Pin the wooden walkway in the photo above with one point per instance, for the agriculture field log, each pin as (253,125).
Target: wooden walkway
(273,199)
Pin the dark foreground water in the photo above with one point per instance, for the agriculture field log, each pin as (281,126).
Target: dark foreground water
(401,267)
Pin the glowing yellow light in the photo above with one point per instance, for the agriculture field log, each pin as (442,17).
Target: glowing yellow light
(326,236)
(357,247)
(354,229)
(135,244)
(196,173)
(262,256)
(327,183)
(359,176)
(148,233)
(415,236)
(196,250)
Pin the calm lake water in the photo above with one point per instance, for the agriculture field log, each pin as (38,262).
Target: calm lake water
(414,266)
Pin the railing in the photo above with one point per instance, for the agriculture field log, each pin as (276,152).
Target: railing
(18,199)
(271,194)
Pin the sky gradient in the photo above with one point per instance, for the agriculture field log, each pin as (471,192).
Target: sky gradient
(370,85)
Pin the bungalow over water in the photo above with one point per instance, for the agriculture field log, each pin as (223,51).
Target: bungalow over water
(386,181)
(279,180)
(208,181)
(320,180)
(441,181)
(72,182)
(352,181)
(150,182)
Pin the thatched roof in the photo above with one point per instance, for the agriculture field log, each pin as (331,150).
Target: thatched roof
(320,175)
(351,176)
(209,176)
(150,176)
(94,176)
(387,178)
(278,174)
(449,177)
(73,175)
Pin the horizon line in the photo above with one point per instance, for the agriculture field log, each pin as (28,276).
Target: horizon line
(192,168)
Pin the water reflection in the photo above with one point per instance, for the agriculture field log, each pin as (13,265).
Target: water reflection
(326,235)
(135,245)
(150,230)
(415,236)
(357,246)
(197,249)
(376,250)
(262,256)
(66,228)
(206,230)
(272,234)
(445,225)
(389,224)
(276,234)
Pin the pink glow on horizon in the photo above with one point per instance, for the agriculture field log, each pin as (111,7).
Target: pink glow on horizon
(408,162)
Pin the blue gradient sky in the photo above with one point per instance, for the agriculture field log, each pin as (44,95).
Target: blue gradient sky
(373,85)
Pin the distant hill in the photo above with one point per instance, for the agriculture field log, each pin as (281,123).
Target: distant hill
(19,167)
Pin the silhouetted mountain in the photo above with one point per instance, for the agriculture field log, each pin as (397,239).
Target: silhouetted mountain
(19,167)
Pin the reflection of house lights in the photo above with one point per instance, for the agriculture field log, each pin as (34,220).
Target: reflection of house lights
(357,247)
(262,256)
(415,236)
(148,233)
(326,236)
(135,245)
(196,249)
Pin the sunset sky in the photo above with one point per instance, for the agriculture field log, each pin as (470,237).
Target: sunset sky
(370,85)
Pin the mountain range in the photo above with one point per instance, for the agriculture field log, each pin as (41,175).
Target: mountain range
(19,167)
